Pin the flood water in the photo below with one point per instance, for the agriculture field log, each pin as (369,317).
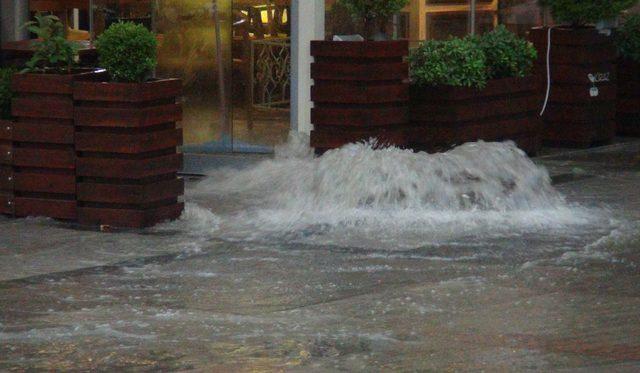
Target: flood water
(363,259)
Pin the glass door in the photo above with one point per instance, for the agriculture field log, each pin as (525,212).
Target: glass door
(234,59)
(261,74)
(195,45)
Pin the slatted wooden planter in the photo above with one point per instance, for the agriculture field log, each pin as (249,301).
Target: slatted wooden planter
(575,116)
(360,92)
(628,104)
(126,141)
(43,154)
(506,109)
(6,168)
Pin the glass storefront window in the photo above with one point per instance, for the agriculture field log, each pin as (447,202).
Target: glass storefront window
(441,19)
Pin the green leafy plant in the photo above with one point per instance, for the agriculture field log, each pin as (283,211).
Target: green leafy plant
(454,62)
(507,54)
(128,52)
(582,12)
(6,93)
(52,51)
(628,38)
(373,14)
(473,60)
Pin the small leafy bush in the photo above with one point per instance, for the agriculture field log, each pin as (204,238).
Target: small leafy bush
(473,60)
(128,52)
(583,12)
(52,50)
(373,12)
(507,54)
(454,62)
(628,38)
(5,92)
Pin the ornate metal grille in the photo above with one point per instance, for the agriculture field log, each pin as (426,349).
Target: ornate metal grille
(271,73)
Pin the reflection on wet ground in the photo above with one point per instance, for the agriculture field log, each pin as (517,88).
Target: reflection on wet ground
(189,296)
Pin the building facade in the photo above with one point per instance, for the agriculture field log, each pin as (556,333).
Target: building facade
(245,64)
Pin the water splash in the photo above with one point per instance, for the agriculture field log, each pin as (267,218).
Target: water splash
(364,193)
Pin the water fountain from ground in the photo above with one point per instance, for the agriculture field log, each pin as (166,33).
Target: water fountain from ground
(386,193)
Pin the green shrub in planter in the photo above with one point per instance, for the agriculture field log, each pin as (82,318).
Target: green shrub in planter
(372,13)
(507,54)
(583,12)
(5,92)
(128,52)
(454,62)
(53,52)
(472,61)
(628,38)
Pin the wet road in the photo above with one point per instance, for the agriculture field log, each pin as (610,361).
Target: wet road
(182,298)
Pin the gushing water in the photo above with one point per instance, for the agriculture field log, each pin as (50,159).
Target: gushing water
(361,191)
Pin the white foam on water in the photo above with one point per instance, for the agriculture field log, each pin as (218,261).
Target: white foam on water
(363,195)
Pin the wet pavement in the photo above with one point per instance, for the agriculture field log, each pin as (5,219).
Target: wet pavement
(183,296)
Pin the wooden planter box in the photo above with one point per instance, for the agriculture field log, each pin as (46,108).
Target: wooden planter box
(360,92)
(506,109)
(126,141)
(43,155)
(574,117)
(628,107)
(6,168)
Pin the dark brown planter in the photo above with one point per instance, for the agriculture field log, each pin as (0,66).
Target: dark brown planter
(43,155)
(506,109)
(628,106)
(126,141)
(574,117)
(360,92)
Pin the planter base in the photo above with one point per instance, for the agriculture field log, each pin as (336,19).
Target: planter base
(126,141)
(360,92)
(506,109)
(43,159)
(128,217)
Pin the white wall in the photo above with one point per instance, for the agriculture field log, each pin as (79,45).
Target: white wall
(307,24)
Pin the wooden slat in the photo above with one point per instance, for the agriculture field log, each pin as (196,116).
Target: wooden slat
(128,143)
(578,134)
(42,83)
(366,49)
(128,218)
(43,133)
(425,113)
(580,113)
(6,153)
(7,203)
(6,178)
(628,124)
(494,88)
(568,36)
(128,168)
(491,130)
(359,116)
(95,116)
(331,138)
(127,92)
(57,209)
(44,158)
(43,107)
(130,194)
(44,183)
(577,94)
(6,130)
(336,92)
(360,71)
